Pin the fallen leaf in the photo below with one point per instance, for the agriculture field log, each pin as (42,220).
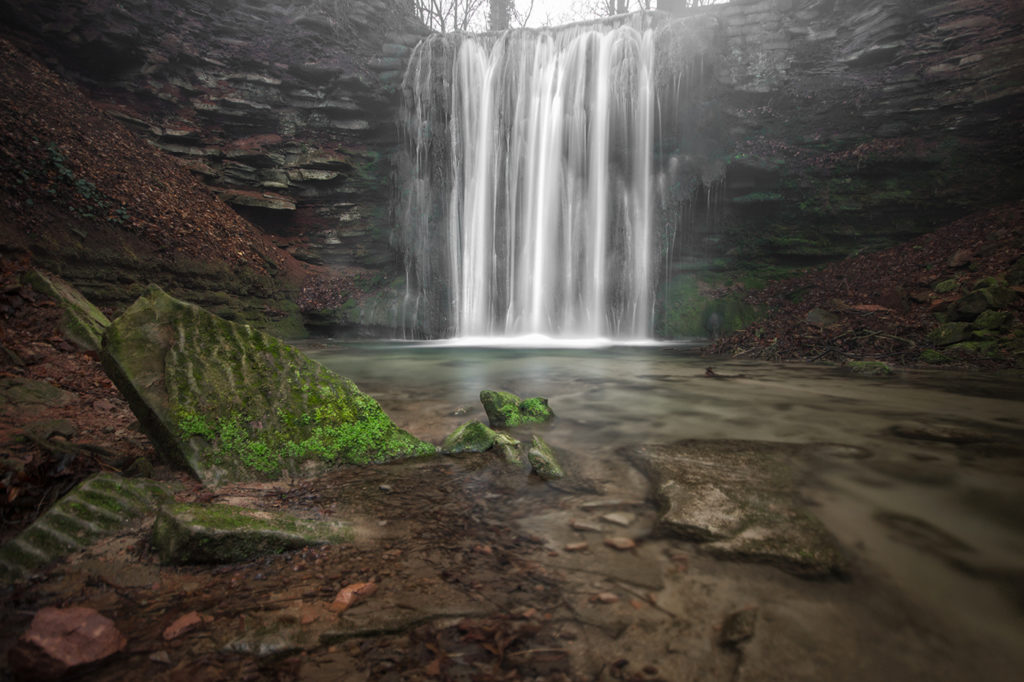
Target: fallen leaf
(183,624)
(350,594)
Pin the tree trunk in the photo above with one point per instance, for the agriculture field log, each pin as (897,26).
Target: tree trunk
(499,14)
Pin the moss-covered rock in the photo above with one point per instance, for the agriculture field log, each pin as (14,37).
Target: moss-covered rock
(506,410)
(96,507)
(509,449)
(993,320)
(229,402)
(946,286)
(870,368)
(543,460)
(82,323)
(221,534)
(949,333)
(933,357)
(470,437)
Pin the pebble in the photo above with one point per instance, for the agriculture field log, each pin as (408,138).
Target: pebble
(611,503)
(605,598)
(620,518)
(620,543)
(585,526)
(576,546)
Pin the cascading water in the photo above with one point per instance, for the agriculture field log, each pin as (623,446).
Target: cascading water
(528,188)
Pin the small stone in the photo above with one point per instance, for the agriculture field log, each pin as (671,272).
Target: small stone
(387,488)
(738,627)
(610,503)
(605,598)
(576,546)
(58,640)
(585,526)
(960,259)
(624,519)
(620,543)
(160,657)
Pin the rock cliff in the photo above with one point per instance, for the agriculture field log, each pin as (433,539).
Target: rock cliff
(808,131)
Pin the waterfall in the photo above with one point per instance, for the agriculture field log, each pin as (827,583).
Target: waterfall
(527,200)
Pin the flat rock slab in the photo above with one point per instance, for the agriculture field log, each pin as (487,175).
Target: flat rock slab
(742,500)
(230,403)
(97,507)
(221,533)
(82,323)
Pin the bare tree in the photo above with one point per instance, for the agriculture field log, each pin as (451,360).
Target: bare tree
(450,15)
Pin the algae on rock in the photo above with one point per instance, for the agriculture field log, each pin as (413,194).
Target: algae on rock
(229,402)
(82,323)
(470,437)
(221,533)
(506,409)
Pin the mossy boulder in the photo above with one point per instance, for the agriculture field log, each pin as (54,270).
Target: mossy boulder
(82,323)
(506,410)
(870,368)
(229,402)
(543,460)
(993,320)
(98,506)
(223,534)
(946,286)
(949,333)
(470,437)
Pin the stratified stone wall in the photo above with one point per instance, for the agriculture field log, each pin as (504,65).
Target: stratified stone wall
(287,110)
(842,125)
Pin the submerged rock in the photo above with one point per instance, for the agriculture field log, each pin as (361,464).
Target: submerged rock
(742,499)
(229,402)
(505,410)
(510,449)
(470,437)
(543,460)
(220,533)
(82,323)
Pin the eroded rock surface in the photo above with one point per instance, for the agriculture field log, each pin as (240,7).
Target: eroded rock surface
(220,533)
(97,507)
(742,500)
(228,402)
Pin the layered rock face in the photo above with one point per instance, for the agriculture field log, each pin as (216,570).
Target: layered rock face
(286,110)
(826,127)
(808,130)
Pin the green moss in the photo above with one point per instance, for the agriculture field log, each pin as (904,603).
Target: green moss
(946,286)
(470,437)
(870,368)
(933,357)
(507,410)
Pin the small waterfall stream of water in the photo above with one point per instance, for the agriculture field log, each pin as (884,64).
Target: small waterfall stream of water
(527,203)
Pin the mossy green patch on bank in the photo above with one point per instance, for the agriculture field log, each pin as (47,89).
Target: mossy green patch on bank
(230,402)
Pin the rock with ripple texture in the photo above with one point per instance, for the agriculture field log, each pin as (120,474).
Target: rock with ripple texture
(229,402)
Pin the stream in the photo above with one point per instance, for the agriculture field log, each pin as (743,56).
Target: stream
(926,500)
